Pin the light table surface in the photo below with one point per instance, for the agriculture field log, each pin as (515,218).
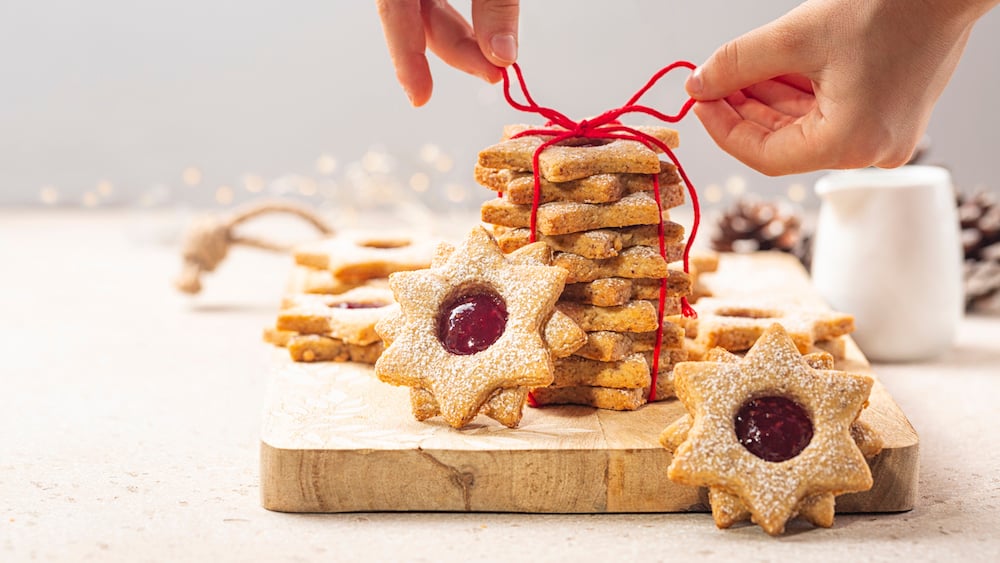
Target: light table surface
(130,418)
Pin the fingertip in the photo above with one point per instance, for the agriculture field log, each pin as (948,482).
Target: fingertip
(416,100)
(503,49)
(494,75)
(418,91)
(419,98)
(494,23)
(695,84)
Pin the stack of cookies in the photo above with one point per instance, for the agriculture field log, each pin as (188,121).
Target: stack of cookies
(597,211)
(339,291)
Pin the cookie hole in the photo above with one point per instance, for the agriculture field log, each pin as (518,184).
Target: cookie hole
(384,243)
(584,142)
(773,428)
(471,319)
(747,313)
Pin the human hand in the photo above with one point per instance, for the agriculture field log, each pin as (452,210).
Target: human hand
(833,83)
(412,26)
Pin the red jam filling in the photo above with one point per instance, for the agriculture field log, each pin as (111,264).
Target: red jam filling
(471,322)
(773,428)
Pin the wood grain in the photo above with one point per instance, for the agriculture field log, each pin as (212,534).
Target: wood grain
(335,439)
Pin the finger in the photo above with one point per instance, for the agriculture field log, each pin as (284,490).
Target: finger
(759,113)
(762,54)
(495,24)
(404,34)
(451,38)
(782,97)
(799,81)
(785,151)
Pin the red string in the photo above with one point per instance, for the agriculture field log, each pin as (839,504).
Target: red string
(608,126)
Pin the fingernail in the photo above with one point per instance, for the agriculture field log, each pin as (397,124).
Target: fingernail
(503,46)
(694,82)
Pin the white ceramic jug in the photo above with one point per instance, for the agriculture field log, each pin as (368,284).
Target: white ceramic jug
(888,251)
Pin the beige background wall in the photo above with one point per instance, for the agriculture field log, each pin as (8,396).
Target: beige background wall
(108,102)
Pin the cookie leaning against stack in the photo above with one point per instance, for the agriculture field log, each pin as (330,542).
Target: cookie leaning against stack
(338,291)
(598,213)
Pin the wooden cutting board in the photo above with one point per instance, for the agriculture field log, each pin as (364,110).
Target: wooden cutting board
(335,439)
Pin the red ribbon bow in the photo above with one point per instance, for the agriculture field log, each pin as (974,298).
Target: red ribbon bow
(608,126)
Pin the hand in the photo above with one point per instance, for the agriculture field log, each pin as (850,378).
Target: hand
(411,26)
(833,83)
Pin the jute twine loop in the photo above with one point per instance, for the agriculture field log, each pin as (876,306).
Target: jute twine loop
(209,238)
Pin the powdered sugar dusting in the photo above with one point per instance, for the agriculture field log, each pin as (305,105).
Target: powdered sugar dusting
(519,358)
(772,491)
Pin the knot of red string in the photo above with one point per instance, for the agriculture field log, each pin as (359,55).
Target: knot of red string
(559,127)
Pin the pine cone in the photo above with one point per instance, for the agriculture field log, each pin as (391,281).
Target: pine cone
(979,215)
(751,225)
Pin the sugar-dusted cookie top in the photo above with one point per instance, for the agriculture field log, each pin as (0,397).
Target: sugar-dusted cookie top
(519,187)
(349,316)
(354,256)
(471,329)
(577,158)
(735,324)
(769,435)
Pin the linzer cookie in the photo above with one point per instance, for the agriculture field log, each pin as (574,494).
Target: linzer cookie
(586,395)
(866,437)
(359,256)
(671,339)
(561,334)
(607,292)
(634,316)
(606,346)
(632,371)
(597,243)
(519,187)
(736,324)
(560,217)
(633,262)
(322,348)
(471,329)
(349,316)
(769,435)
(835,348)
(340,328)
(277,337)
(576,158)
(311,280)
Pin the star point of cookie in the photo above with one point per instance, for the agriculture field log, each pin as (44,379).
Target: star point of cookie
(469,333)
(753,467)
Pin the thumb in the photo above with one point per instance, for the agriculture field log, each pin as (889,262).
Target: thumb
(495,24)
(766,52)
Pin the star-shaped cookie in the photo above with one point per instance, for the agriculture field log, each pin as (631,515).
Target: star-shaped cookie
(792,473)
(735,324)
(574,159)
(457,367)
(356,256)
